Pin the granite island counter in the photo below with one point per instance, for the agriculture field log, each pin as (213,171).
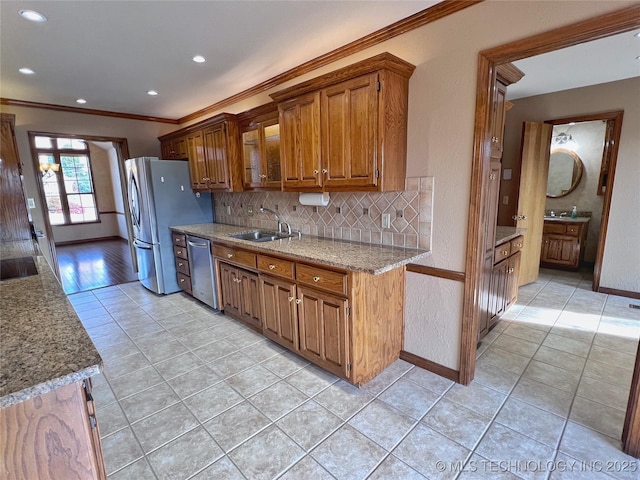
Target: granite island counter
(49,428)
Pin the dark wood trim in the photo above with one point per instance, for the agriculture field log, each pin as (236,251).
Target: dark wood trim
(434,367)
(619,21)
(90,240)
(616,116)
(435,272)
(429,15)
(631,429)
(112,212)
(620,293)
(86,111)
(216,120)
(91,138)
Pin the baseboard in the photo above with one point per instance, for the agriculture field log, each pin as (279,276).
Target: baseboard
(89,240)
(620,293)
(434,367)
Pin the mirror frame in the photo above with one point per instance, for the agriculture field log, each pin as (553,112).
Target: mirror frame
(577,178)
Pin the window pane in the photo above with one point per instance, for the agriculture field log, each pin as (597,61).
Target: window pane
(68,163)
(43,142)
(51,189)
(72,143)
(54,205)
(87,201)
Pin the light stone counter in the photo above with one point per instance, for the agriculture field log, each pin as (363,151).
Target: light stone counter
(43,344)
(361,257)
(504,234)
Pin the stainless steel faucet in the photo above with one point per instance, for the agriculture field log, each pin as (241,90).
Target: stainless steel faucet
(280,222)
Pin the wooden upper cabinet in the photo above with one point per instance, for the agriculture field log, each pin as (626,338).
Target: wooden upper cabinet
(300,143)
(347,130)
(260,148)
(506,74)
(212,148)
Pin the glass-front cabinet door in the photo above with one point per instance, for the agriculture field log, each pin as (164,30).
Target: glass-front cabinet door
(261,155)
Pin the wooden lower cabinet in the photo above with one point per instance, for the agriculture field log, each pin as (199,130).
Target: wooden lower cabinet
(279,311)
(563,243)
(323,330)
(52,436)
(240,294)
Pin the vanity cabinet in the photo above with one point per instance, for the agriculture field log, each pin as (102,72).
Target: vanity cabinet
(563,243)
(347,130)
(260,137)
(52,436)
(181,257)
(212,148)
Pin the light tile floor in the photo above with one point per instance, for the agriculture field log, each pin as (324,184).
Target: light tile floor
(188,393)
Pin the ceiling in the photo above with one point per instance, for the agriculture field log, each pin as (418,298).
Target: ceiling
(112,52)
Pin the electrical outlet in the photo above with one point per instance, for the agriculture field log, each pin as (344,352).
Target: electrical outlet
(250,210)
(386,220)
(505,200)
(31,202)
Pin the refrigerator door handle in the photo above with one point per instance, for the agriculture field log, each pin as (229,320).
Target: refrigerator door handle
(134,202)
(199,245)
(140,245)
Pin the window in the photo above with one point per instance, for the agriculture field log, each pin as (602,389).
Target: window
(67,181)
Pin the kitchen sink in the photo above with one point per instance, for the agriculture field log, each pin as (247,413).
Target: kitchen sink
(259,236)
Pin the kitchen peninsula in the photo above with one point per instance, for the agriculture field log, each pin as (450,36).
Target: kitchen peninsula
(339,304)
(47,417)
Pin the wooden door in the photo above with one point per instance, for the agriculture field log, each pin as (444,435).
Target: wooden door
(230,291)
(249,292)
(323,330)
(300,142)
(14,219)
(536,141)
(197,161)
(349,116)
(215,147)
(279,311)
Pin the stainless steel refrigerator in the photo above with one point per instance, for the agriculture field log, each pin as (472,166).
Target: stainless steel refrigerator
(160,195)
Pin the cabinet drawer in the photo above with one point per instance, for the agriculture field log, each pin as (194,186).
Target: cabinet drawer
(185,282)
(553,228)
(501,252)
(182,266)
(179,239)
(516,244)
(325,279)
(275,266)
(573,230)
(232,255)
(180,252)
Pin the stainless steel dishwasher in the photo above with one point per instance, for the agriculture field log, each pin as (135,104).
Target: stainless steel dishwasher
(203,284)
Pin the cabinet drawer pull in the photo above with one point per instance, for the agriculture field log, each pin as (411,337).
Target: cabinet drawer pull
(182,280)
(298,301)
(519,245)
(291,299)
(316,279)
(180,264)
(229,255)
(511,270)
(179,252)
(505,253)
(271,266)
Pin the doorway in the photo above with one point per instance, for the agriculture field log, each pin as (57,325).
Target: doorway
(81,189)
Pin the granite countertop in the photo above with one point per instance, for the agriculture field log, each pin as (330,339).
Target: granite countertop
(361,257)
(567,219)
(504,234)
(43,344)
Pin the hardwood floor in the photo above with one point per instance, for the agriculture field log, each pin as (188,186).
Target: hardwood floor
(96,264)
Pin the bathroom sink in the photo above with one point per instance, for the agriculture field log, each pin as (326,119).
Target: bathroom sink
(258,236)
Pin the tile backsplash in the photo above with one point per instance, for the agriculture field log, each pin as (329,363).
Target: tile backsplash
(355,216)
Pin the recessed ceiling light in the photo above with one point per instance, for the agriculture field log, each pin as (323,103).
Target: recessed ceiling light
(153,93)
(26,71)
(33,16)
(199,59)
(81,100)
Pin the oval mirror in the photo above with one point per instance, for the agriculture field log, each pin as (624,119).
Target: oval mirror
(565,172)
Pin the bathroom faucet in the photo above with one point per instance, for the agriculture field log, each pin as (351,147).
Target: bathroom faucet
(280,222)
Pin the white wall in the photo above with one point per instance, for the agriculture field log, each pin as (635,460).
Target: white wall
(621,262)
(442,94)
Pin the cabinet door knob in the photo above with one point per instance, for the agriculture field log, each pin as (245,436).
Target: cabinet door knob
(291,299)
(263,176)
(324,170)
(271,266)
(511,270)
(298,301)
(316,279)
(315,172)
(229,255)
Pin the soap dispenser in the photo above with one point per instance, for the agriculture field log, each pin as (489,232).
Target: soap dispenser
(574,212)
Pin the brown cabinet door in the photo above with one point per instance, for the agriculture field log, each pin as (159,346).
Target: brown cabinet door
(181,148)
(279,311)
(230,291)
(560,250)
(261,156)
(322,320)
(215,146)
(271,168)
(300,145)
(249,292)
(512,279)
(252,174)
(497,120)
(197,161)
(497,297)
(349,115)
